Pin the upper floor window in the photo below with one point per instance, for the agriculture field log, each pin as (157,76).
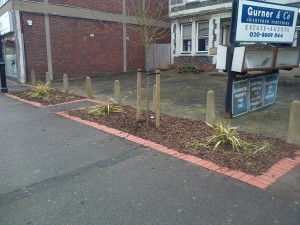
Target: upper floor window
(202,36)
(186,38)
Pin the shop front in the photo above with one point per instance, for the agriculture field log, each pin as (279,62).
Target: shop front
(8,44)
(9,51)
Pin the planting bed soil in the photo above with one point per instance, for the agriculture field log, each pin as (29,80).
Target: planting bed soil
(178,134)
(54,97)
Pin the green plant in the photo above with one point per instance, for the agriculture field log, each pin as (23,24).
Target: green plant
(196,145)
(188,68)
(40,90)
(227,135)
(104,109)
(265,147)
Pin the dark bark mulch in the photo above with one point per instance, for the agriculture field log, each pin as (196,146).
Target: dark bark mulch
(55,97)
(178,133)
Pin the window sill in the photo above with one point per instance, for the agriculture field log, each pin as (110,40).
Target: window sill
(202,54)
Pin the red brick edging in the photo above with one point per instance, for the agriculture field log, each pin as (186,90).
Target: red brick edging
(44,106)
(262,181)
(39,105)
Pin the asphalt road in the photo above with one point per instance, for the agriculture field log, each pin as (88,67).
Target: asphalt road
(57,171)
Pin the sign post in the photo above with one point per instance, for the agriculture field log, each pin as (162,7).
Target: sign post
(260,23)
(231,76)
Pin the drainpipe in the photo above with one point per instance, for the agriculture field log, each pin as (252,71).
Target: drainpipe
(48,42)
(124,38)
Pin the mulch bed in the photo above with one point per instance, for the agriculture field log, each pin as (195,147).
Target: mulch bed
(176,133)
(55,97)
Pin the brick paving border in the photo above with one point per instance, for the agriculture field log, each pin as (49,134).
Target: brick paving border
(262,181)
(36,104)
(39,105)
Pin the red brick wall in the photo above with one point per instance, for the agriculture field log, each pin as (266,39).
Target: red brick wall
(135,50)
(81,47)
(114,6)
(35,45)
(151,5)
(76,53)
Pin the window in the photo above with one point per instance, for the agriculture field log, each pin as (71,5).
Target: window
(202,36)
(186,36)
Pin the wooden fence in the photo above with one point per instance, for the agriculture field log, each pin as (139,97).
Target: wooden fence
(160,56)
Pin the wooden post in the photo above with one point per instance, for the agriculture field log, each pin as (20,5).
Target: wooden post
(117,88)
(210,108)
(148,98)
(294,125)
(154,97)
(89,89)
(139,93)
(48,79)
(157,110)
(33,77)
(66,83)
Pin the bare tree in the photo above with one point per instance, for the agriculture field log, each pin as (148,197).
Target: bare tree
(153,24)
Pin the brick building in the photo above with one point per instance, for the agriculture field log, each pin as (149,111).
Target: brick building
(199,26)
(76,37)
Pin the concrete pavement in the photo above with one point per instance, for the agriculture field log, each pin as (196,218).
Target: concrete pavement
(57,171)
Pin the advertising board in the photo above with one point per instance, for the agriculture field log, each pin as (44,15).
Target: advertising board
(254,93)
(265,22)
(240,96)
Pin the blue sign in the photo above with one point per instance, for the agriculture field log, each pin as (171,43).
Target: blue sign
(256,93)
(265,22)
(252,94)
(263,15)
(240,97)
(270,89)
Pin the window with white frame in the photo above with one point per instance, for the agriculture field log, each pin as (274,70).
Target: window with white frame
(202,37)
(186,38)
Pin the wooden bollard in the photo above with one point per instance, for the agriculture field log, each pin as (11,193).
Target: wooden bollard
(157,108)
(117,90)
(154,97)
(88,87)
(210,108)
(33,77)
(66,83)
(139,93)
(294,125)
(48,79)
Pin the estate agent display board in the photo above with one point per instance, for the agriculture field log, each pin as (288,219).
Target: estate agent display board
(256,23)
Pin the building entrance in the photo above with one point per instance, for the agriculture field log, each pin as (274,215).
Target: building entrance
(10,56)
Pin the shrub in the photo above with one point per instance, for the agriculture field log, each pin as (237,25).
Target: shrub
(227,135)
(40,90)
(104,109)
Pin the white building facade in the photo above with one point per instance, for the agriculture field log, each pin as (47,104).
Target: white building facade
(198,27)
